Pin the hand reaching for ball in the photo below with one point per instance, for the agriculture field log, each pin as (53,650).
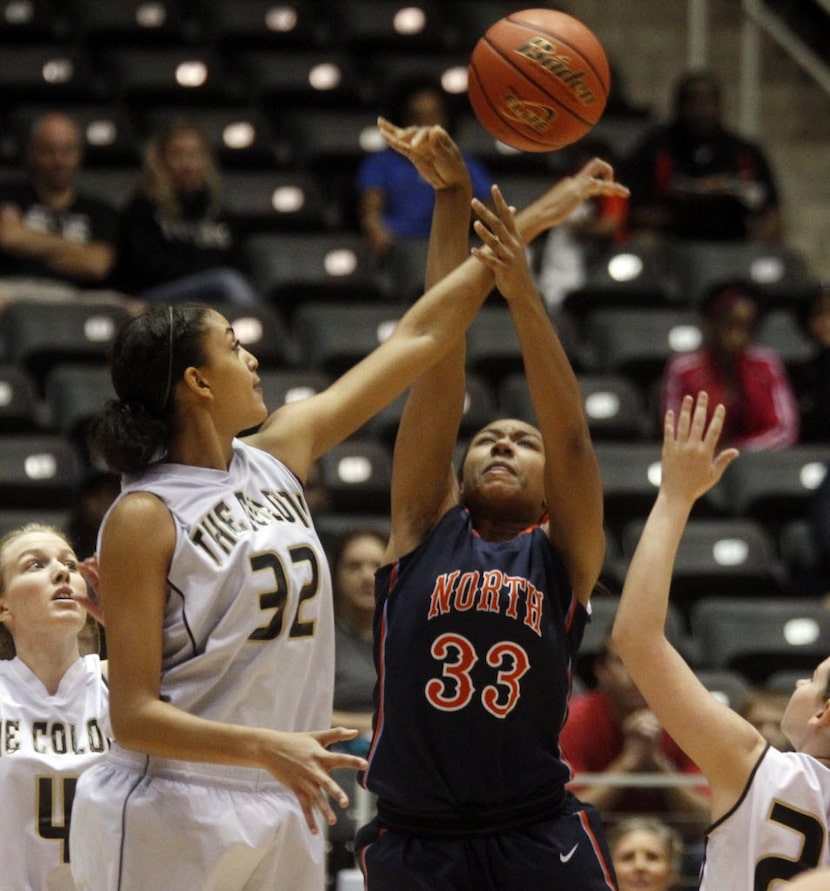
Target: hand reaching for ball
(432,151)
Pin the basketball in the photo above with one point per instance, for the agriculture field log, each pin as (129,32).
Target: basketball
(538,80)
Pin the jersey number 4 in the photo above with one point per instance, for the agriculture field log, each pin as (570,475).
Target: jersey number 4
(46,825)
(455,689)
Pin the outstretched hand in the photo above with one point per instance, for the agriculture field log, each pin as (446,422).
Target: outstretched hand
(302,762)
(594,179)
(433,152)
(691,464)
(503,249)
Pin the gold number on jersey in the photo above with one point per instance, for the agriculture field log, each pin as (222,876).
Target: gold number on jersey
(776,868)
(276,598)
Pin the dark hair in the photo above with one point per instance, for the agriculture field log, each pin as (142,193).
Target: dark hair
(688,82)
(149,356)
(343,542)
(722,293)
(401,91)
(807,307)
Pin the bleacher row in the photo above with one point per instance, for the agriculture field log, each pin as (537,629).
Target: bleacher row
(289,94)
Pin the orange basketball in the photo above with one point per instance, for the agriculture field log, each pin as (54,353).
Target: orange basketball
(538,80)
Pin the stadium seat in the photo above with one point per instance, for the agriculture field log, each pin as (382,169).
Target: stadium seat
(47,72)
(758,636)
(74,395)
(264,332)
(630,478)
(357,475)
(240,135)
(38,470)
(779,329)
(479,410)
(303,77)
(18,401)
(614,406)
(799,553)
(263,200)
(637,342)
(331,337)
(773,486)
(39,335)
(145,76)
(282,385)
(624,276)
(35,21)
(264,24)
(775,268)
(366,25)
(325,138)
(291,269)
(729,687)
(105,22)
(492,346)
(736,556)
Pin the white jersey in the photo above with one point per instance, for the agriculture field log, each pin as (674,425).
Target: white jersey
(248,626)
(777,829)
(46,742)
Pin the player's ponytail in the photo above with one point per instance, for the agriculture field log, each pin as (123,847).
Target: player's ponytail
(149,356)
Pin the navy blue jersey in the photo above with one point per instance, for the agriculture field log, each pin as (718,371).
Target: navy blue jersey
(474,648)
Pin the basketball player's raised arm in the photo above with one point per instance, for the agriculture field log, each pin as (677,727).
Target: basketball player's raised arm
(573,486)
(716,738)
(423,484)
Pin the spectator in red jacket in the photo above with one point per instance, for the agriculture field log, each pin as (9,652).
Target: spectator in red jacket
(750,380)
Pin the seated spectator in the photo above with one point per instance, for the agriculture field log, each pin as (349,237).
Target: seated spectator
(647,854)
(751,381)
(764,709)
(357,556)
(811,378)
(610,730)
(394,200)
(176,241)
(692,178)
(56,243)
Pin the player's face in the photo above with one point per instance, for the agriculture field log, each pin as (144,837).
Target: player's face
(231,374)
(642,862)
(506,461)
(807,702)
(42,586)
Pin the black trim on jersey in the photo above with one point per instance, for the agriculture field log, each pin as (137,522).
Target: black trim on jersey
(743,794)
(475,821)
(141,777)
(184,616)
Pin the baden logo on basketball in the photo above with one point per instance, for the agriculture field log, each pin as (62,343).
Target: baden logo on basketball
(560,66)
